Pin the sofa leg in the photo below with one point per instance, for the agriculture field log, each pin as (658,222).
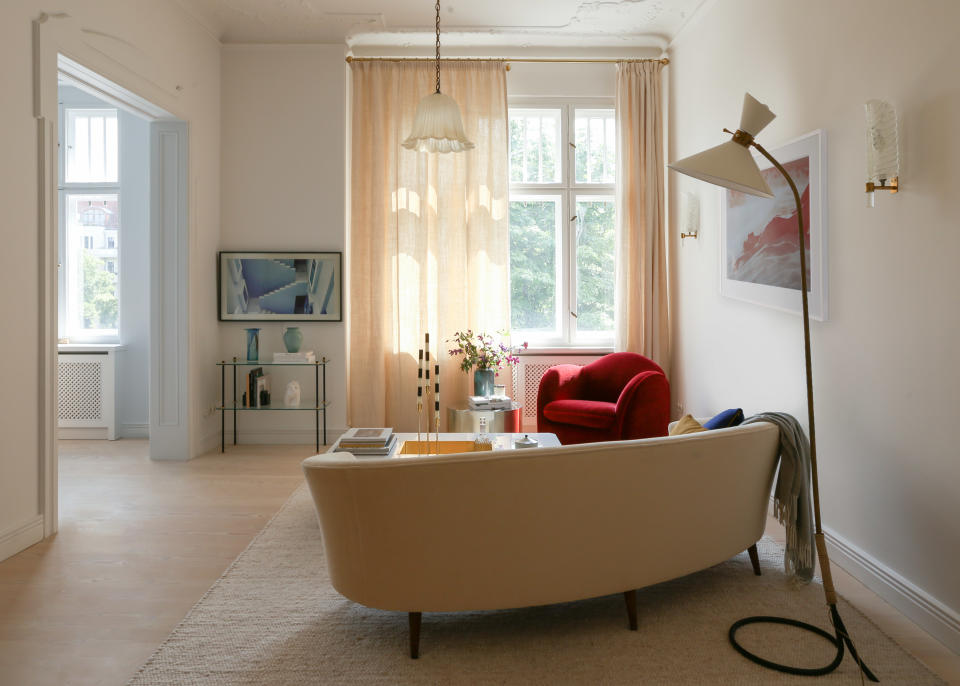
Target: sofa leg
(631,599)
(414,618)
(754,559)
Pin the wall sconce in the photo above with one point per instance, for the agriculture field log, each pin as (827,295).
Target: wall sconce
(689,215)
(883,149)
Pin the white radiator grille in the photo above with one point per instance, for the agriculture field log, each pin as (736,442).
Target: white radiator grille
(85,393)
(527,375)
(79,390)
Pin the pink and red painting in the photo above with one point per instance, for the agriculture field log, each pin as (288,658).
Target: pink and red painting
(762,234)
(761,239)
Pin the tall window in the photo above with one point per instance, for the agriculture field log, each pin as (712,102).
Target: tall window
(562,175)
(90,215)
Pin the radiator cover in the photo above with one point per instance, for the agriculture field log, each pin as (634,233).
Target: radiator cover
(85,391)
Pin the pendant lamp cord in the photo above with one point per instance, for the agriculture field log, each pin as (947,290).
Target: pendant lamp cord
(438,46)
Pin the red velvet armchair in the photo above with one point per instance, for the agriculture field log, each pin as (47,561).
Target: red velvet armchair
(621,396)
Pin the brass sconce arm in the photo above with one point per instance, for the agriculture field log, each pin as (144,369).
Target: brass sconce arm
(893,186)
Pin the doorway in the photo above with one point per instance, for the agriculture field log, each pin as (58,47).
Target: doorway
(114,235)
(103,249)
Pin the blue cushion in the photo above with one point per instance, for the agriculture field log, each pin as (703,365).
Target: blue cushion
(725,419)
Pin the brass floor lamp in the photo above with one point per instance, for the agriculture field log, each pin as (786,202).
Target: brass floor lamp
(731,165)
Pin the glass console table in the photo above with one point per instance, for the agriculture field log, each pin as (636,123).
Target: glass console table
(318,406)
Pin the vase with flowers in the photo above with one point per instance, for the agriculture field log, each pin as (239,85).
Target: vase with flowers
(485,354)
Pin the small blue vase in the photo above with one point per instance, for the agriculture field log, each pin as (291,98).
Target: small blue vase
(292,339)
(483,382)
(253,345)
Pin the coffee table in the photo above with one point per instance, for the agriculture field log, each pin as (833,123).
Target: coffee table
(501,441)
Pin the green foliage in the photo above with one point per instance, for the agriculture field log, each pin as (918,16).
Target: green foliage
(533,265)
(533,153)
(483,351)
(595,247)
(99,294)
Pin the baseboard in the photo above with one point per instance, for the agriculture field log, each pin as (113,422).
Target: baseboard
(71,433)
(22,536)
(134,431)
(938,620)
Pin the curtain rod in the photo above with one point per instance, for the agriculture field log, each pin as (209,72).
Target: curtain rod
(563,60)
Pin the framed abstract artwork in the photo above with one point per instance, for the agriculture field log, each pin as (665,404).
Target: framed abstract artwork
(280,286)
(759,240)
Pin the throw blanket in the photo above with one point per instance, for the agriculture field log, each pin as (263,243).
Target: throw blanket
(792,495)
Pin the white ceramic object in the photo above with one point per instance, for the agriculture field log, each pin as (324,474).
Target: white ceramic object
(291,398)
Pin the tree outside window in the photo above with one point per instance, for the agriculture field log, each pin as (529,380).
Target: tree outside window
(562,224)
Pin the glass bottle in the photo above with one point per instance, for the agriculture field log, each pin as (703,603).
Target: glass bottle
(482,441)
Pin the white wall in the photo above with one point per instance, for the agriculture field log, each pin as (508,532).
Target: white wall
(884,366)
(133,362)
(150,48)
(558,80)
(283,150)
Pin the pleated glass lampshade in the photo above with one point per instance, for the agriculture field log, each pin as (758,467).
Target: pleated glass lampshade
(438,126)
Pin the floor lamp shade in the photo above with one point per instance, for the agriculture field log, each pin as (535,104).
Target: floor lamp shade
(731,164)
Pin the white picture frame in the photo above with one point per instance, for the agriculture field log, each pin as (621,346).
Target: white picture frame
(757,264)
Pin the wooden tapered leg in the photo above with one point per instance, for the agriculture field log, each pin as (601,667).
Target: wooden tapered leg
(415,634)
(754,558)
(631,599)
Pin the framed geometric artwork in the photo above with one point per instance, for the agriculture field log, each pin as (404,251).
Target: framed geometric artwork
(279,286)
(759,240)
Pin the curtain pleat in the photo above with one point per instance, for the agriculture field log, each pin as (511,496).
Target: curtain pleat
(429,235)
(642,302)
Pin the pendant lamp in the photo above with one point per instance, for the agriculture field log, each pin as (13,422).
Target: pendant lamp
(438,126)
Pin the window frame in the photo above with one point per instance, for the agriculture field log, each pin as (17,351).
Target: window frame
(569,190)
(65,189)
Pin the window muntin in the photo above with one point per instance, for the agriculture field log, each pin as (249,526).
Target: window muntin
(577,285)
(595,136)
(92,145)
(535,148)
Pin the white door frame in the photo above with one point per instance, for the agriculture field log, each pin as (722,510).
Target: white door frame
(60,44)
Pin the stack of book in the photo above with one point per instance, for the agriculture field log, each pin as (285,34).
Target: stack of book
(257,393)
(308,357)
(360,441)
(493,402)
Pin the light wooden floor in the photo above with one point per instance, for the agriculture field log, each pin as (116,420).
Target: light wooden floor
(139,544)
(141,541)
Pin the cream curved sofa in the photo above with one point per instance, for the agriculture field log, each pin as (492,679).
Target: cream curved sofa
(506,529)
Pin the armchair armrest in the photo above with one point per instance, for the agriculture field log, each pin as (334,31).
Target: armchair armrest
(643,408)
(559,383)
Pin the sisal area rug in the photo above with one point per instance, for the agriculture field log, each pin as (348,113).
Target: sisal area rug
(273,618)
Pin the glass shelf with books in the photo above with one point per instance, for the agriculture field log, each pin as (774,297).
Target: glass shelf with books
(250,386)
(313,406)
(251,363)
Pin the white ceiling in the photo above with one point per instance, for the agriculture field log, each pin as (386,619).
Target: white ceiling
(409,23)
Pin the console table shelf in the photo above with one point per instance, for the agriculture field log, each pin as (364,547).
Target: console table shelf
(318,405)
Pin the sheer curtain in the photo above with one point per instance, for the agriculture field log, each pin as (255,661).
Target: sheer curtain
(429,235)
(641,299)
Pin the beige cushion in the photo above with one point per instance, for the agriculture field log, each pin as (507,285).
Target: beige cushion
(686,425)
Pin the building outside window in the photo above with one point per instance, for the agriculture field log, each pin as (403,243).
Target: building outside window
(90,215)
(562,223)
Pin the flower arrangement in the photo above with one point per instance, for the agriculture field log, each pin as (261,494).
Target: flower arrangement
(483,351)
